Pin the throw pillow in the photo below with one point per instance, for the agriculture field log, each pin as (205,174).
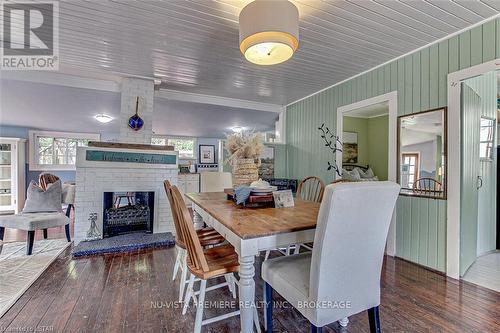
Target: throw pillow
(366,174)
(352,176)
(38,200)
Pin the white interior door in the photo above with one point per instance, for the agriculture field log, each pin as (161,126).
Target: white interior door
(471,115)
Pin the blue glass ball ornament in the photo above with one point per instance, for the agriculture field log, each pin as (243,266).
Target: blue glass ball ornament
(135,122)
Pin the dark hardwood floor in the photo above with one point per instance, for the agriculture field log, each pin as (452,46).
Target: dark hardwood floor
(133,292)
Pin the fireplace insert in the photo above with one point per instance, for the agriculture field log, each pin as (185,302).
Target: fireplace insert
(126,212)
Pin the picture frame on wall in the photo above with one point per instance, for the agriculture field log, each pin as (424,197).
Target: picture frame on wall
(350,147)
(206,154)
(266,168)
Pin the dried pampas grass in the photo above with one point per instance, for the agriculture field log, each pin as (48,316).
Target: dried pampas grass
(244,145)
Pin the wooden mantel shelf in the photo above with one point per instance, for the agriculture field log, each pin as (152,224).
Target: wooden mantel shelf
(119,145)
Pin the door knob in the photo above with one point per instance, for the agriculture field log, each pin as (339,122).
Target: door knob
(479,182)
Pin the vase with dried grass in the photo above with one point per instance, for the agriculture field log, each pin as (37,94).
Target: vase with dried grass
(244,156)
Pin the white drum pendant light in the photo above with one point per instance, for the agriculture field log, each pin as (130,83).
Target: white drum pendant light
(269,31)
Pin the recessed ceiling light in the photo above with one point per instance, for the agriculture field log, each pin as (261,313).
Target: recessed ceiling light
(103,118)
(237,129)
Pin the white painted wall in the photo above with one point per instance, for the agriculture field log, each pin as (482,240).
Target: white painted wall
(131,89)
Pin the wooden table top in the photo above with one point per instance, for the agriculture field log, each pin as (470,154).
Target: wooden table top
(257,222)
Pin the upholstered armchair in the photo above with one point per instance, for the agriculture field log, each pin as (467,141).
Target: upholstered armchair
(41,220)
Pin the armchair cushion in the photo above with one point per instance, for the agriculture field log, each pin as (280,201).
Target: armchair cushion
(289,276)
(39,200)
(33,221)
(68,194)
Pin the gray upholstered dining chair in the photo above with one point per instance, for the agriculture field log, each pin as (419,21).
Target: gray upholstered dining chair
(341,276)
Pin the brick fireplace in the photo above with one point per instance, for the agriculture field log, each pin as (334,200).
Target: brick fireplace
(94,178)
(126,169)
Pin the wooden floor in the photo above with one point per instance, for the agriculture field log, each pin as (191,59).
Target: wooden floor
(133,292)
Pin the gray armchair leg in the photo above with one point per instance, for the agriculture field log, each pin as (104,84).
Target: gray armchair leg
(315,329)
(30,240)
(45,234)
(2,232)
(374,320)
(66,228)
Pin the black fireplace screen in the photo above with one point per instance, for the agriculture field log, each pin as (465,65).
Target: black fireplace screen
(126,212)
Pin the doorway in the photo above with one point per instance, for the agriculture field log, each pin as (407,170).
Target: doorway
(479,257)
(365,142)
(353,122)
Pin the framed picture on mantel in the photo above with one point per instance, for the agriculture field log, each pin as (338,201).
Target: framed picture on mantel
(207,154)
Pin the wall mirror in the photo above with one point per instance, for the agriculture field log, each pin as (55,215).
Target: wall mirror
(422,154)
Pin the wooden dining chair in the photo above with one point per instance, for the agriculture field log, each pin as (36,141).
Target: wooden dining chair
(311,189)
(427,186)
(207,237)
(205,264)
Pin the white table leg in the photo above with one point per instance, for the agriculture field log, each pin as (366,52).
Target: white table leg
(247,293)
(344,321)
(197,220)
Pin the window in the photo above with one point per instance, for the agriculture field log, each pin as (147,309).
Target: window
(409,169)
(56,150)
(486,134)
(185,146)
(158,141)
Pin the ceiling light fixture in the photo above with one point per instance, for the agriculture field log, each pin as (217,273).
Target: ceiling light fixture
(237,129)
(269,31)
(103,118)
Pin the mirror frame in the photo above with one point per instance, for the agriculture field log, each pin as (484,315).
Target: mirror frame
(445,150)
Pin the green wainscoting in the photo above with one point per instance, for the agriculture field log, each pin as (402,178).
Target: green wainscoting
(421,231)
(279,160)
(421,82)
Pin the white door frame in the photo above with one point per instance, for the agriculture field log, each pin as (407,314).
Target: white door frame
(392,99)
(454,172)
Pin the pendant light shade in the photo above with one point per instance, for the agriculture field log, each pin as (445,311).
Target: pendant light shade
(269,31)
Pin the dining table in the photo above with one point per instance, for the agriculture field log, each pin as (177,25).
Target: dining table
(252,230)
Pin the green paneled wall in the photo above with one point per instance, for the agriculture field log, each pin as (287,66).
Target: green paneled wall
(373,137)
(279,160)
(421,82)
(378,145)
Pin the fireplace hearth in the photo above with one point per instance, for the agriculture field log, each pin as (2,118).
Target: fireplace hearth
(127,212)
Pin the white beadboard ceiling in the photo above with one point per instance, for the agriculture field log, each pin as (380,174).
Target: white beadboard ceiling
(193,45)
